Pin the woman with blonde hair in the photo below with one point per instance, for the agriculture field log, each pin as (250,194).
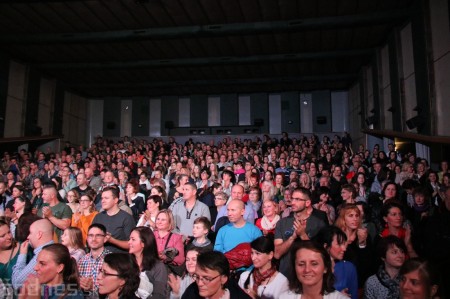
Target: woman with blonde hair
(166,239)
(83,218)
(268,191)
(359,246)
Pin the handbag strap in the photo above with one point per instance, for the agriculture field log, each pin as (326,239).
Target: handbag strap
(168,238)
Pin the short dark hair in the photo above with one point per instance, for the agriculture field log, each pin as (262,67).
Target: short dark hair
(127,269)
(114,190)
(389,241)
(263,244)
(325,236)
(99,226)
(214,260)
(427,272)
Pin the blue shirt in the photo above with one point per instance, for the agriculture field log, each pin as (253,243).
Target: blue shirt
(230,236)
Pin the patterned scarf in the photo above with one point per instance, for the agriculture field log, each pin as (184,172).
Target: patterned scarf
(267,224)
(393,285)
(259,277)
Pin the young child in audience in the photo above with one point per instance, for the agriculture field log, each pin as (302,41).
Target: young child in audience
(200,231)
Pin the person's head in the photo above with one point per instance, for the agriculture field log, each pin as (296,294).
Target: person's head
(235,211)
(262,252)
(110,198)
(191,259)
(311,267)
(55,266)
(72,238)
(201,227)
(421,197)
(269,208)
(392,251)
(419,279)
(81,179)
(17,191)
(322,194)
(334,241)
(119,275)
(49,194)
(41,232)
(300,200)
(390,190)
(164,220)
(392,214)
(220,199)
(96,236)
(132,186)
(154,202)
(348,192)
(73,196)
(158,190)
(22,204)
(6,238)
(349,217)
(211,273)
(189,191)
(237,192)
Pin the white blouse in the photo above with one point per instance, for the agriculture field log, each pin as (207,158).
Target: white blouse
(273,289)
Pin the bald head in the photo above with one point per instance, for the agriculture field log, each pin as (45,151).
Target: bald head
(41,232)
(235,212)
(237,192)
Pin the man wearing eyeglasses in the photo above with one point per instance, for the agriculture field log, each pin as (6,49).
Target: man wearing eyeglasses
(303,224)
(90,264)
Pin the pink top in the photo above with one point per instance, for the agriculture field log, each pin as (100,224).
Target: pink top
(176,241)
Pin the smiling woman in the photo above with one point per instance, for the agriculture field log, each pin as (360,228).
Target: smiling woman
(56,275)
(311,274)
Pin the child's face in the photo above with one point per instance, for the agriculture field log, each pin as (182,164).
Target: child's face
(199,230)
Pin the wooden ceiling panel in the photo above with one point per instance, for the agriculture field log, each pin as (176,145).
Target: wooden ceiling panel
(213,11)
(177,13)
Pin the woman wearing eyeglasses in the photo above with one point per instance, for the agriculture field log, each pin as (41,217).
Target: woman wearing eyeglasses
(119,276)
(212,279)
(85,214)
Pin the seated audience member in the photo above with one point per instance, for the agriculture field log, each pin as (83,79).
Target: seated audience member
(148,218)
(305,256)
(90,264)
(58,213)
(189,209)
(419,279)
(322,203)
(359,247)
(212,279)
(73,240)
(270,218)
(167,240)
(143,246)
(304,223)
(134,199)
(56,275)
(9,251)
(73,200)
(83,218)
(41,234)
(334,241)
(386,282)
(179,284)
(119,276)
(117,222)
(263,281)
(200,233)
(237,231)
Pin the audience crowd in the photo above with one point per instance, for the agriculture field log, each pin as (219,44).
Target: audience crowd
(253,218)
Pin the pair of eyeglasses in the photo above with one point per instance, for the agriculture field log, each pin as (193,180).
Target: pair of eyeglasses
(105,274)
(205,280)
